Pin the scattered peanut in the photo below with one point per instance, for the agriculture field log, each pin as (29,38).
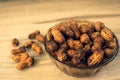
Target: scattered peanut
(33,35)
(19,57)
(28,44)
(25,63)
(15,42)
(40,38)
(37,48)
(19,50)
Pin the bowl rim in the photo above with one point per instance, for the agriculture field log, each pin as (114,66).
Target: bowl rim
(88,67)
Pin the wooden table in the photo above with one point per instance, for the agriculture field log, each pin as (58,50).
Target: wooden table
(20,17)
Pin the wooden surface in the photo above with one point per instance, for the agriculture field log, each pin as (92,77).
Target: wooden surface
(20,17)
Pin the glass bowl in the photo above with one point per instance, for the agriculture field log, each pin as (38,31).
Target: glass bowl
(82,71)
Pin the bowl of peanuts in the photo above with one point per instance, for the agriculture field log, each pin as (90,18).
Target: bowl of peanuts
(81,48)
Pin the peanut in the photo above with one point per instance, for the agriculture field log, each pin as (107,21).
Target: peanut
(99,26)
(84,28)
(25,63)
(84,38)
(61,56)
(112,44)
(33,35)
(75,44)
(37,48)
(40,38)
(95,58)
(19,57)
(75,60)
(87,48)
(95,47)
(108,52)
(49,35)
(58,37)
(95,35)
(51,45)
(28,44)
(107,34)
(19,50)
(75,29)
(15,42)
(99,40)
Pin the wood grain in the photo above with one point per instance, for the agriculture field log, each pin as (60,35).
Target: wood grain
(19,18)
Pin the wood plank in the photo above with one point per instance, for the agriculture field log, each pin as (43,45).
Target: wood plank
(47,11)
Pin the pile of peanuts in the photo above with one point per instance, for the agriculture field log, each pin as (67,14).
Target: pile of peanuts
(87,44)
(21,55)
